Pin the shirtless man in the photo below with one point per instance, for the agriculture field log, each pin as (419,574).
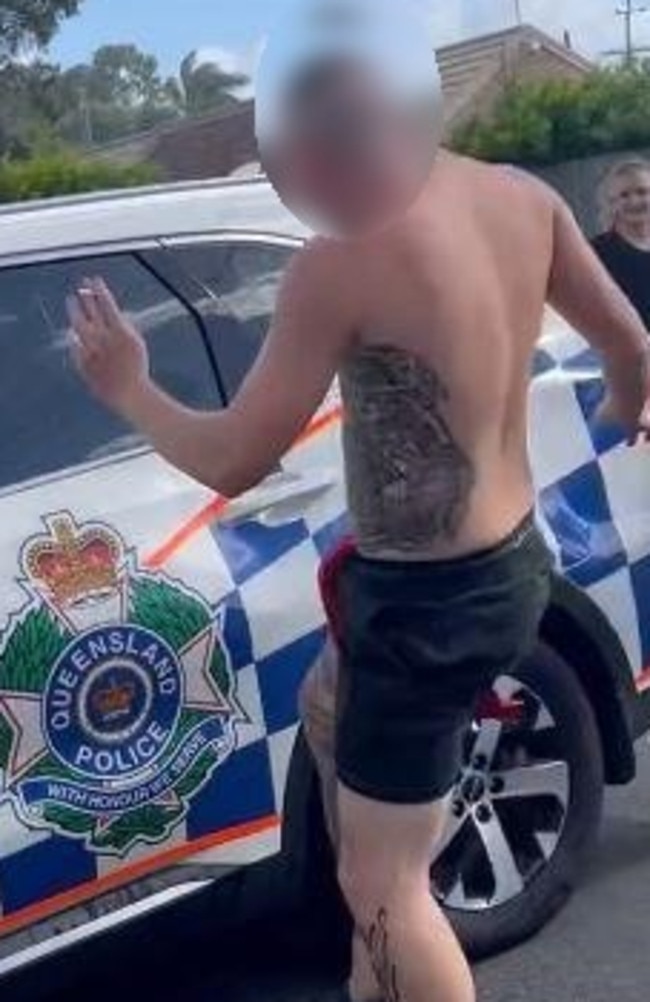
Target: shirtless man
(431,326)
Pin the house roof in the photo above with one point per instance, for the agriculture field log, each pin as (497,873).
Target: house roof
(224,142)
(466,67)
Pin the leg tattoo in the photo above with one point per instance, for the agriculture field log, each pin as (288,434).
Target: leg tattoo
(377,942)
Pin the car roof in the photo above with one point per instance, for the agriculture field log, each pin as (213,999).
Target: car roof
(61,225)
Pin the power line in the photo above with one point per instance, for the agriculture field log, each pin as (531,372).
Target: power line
(629,12)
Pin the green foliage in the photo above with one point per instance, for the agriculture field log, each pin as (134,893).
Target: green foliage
(6,741)
(119,93)
(66,174)
(170,612)
(29,107)
(205,763)
(126,829)
(206,87)
(26,23)
(556,120)
(31,650)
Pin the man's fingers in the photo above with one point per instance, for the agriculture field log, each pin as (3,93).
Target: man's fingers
(89,304)
(107,307)
(85,304)
(78,318)
(82,354)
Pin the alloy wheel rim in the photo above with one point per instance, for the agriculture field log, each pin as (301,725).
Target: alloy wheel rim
(509,806)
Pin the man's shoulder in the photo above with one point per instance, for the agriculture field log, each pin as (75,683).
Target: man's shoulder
(318,260)
(320,279)
(529,184)
(511,179)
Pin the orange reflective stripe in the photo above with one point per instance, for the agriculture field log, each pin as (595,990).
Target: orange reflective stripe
(186,533)
(128,874)
(319,424)
(219,504)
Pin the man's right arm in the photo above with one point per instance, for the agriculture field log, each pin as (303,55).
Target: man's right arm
(582,290)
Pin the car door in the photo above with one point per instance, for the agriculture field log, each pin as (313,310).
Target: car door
(117,692)
(273,537)
(594,491)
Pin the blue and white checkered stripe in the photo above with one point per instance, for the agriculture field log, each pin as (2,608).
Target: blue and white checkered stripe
(594,505)
(593,491)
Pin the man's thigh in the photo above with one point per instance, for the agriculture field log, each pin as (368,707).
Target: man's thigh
(318,715)
(317,702)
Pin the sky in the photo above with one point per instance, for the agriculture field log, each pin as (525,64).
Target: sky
(232,30)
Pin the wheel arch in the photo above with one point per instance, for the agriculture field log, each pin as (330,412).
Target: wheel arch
(578,630)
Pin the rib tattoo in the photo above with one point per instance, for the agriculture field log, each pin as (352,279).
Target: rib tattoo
(377,943)
(409,481)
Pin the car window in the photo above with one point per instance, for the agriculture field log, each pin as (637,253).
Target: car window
(243,279)
(49,420)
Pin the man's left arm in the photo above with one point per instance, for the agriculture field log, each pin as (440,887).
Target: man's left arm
(231,450)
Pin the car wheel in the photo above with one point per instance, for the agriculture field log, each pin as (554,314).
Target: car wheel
(525,810)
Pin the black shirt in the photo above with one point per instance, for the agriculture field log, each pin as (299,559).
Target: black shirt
(630,267)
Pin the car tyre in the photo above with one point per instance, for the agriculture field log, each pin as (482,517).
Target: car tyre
(554,697)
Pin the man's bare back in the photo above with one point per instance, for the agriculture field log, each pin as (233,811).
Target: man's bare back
(435,382)
(458,285)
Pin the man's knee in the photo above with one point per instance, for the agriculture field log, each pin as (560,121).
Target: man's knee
(368,880)
(386,852)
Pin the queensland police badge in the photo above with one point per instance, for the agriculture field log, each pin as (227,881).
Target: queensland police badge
(117,697)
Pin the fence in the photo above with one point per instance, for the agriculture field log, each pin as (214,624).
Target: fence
(579,181)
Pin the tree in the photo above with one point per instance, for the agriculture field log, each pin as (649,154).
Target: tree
(206,87)
(557,120)
(119,93)
(30,23)
(29,96)
(29,109)
(124,75)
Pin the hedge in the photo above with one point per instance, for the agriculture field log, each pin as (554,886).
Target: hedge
(66,174)
(558,120)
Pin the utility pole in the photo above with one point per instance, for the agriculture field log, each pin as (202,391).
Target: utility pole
(518,15)
(629,11)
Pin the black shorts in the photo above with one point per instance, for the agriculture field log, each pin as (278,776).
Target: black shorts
(419,644)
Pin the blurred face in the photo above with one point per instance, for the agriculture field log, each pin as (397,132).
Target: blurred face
(351,156)
(630,196)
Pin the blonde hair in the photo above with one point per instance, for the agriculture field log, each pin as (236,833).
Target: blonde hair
(632,165)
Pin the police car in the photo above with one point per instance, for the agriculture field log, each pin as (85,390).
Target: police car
(153,637)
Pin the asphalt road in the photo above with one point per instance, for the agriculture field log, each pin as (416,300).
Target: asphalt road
(597,949)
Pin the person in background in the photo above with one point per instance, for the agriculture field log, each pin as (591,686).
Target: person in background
(624,248)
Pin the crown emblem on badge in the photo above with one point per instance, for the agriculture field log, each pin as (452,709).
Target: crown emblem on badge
(72,563)
(114,701)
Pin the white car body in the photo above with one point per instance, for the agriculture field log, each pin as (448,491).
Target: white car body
(114,819)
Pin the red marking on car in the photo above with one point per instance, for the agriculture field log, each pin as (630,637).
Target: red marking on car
(492,707)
